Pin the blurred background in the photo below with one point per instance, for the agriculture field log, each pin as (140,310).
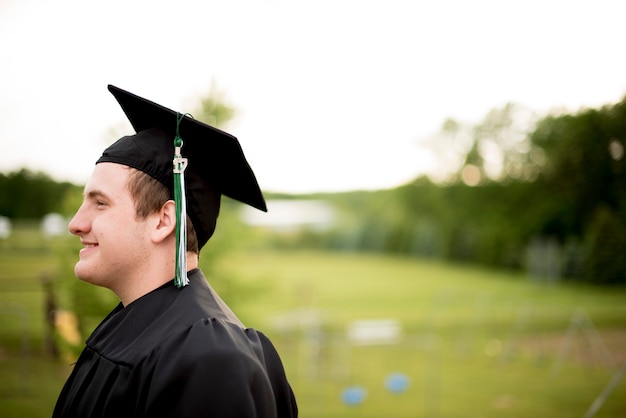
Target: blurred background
(446,186)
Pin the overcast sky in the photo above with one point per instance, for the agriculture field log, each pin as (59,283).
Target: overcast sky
(330,95)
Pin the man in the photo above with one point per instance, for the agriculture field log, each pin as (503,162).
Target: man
(171,348)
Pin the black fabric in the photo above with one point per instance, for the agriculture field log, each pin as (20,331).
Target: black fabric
(216,163)
(177,353)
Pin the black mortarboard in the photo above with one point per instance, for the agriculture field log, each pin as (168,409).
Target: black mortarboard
(216,163)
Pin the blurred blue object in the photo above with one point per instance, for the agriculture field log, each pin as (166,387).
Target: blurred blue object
(397,382)
(354,395)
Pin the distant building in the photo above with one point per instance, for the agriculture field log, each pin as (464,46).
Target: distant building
(289,215)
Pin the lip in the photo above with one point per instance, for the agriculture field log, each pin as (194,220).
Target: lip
(88,247)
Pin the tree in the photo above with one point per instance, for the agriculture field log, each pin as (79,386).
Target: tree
(585,176)
(213,109)
(561,179)
(496,149)
(585,167)
(25,194)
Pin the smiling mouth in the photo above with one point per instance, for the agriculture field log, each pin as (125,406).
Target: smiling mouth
(88,246)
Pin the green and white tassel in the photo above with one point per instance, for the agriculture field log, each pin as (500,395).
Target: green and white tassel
(180,164)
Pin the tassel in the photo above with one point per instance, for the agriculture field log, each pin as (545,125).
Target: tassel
(180,164)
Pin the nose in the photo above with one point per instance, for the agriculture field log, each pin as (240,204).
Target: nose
(80,222)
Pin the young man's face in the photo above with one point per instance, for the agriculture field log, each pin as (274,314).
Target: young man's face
(115,240)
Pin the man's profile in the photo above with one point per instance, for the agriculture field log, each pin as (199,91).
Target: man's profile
(172,347)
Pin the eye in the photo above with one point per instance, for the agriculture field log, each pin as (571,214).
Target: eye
(100,203)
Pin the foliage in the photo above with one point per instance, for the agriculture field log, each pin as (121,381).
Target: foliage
(562,181)
(585,175)
(585,165)
(214,109)
(605,234)
(25,194)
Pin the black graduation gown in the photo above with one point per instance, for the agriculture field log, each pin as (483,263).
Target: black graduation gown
(177,353)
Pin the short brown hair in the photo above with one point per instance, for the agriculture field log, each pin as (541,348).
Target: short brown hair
(149,196)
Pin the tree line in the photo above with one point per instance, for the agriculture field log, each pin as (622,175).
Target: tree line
(27,194)
(553,203)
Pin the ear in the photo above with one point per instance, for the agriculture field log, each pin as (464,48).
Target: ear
(165,225)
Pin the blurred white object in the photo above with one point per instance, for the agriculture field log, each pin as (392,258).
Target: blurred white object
(5,227)
(53,225)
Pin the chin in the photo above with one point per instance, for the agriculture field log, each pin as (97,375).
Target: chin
(83,274)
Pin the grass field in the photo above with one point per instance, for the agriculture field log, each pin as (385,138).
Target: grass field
(473,342)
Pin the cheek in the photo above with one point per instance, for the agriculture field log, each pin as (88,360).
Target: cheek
(134,234)
(119,231)
(124,247)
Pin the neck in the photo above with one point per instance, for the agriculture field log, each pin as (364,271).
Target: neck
(153,277)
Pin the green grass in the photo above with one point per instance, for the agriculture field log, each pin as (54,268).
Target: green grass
(417,292)
(476,342)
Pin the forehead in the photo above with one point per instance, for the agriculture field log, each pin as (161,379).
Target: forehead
(110,179)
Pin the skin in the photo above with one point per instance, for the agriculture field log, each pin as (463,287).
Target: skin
(129,255)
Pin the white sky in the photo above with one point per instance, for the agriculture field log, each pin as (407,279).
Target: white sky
(331,95)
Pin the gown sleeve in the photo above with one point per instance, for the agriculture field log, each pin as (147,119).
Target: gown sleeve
(213,369)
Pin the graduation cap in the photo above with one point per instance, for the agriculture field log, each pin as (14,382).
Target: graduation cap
(213,163)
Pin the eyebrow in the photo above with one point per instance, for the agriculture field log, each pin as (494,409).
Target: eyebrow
(93,194)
